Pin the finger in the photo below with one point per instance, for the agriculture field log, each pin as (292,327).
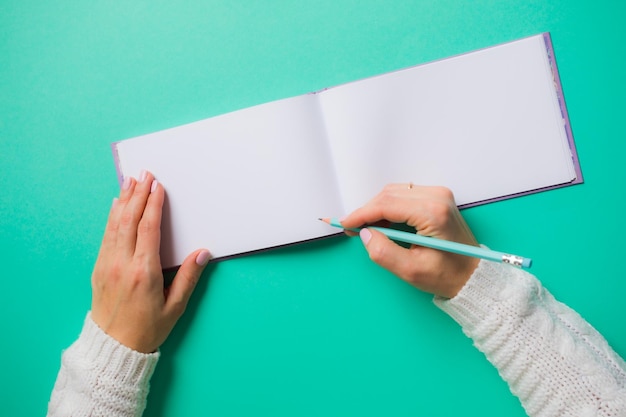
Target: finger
(382,223)
(391,204)
(421,207)
(185,282)
(386,253)
(132,213)
(149,228)
(110,233)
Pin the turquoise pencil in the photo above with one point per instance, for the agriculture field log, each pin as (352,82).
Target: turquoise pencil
(445,245)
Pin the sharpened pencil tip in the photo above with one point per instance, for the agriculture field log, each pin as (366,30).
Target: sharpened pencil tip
(324,219)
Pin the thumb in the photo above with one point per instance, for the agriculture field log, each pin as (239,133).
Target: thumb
(384,252)
(185,282)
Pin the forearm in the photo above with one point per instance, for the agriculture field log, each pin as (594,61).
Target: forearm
(553,360)
(100,376)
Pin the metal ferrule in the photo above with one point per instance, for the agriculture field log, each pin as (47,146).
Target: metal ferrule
(512,260)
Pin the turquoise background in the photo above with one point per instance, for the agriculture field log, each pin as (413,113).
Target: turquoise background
(310,330)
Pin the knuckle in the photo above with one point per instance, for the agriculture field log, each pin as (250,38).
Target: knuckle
(178,307)
(441,209)
(145,227)
(376,252)
(124,197)
(117,269)
(387,197)
(403,265)
(389,187)
(112,227)
(388,191)
(444,193)
(138,274)
(178,300)
(441,212)
(191,280)
(126,218)
(407,271)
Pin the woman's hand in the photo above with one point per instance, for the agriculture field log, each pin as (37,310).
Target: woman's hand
(433,212)
(129,301)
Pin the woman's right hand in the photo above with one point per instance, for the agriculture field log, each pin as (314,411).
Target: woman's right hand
(432,211)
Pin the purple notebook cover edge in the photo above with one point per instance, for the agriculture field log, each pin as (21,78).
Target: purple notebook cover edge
(116,160)
(568,131)
(561,97)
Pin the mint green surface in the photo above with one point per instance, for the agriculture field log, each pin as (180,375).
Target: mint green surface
(311,330)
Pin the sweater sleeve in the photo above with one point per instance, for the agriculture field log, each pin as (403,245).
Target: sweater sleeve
(101,377)
(552,359)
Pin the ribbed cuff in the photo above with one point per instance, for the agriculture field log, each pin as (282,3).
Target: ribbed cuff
(128,366)
(490,283)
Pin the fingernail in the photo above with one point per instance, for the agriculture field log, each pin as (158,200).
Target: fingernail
(365,236)
(143,175)
(153,187)
(126,183)
(203,258)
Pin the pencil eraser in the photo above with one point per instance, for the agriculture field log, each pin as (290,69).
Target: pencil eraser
(526,263)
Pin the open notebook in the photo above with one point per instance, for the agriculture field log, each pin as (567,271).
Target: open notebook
(490,124)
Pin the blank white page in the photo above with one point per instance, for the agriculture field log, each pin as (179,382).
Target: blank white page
(485,124)
(244,181)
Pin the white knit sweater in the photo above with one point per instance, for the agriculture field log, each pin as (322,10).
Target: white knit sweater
(553,360)
(101,377)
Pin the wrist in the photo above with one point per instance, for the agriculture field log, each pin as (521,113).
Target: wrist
(108,354)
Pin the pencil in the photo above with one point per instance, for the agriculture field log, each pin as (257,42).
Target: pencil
(444,245)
